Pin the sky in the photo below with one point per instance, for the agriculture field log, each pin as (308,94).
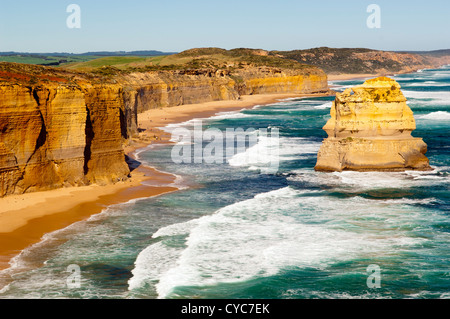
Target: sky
(177,25)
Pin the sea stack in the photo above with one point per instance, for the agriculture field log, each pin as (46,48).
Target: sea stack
(370,130)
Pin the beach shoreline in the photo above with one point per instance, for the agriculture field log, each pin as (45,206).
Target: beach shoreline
(26,218)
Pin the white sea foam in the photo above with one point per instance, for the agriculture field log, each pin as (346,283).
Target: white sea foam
(137,153)
(429,83)
(360,181)
(230,115)
(324,106)
(428,98)
(441,74)
(176,229)
(260,236)
(371,180)
(264,154)
(190,122)
(169,128)
(410,78)
(438,116)
(411,201)
(178,183)
(445,295)
(427,95)
(151,263)
(270,150)
(341,87)
(178,138)
(218,116)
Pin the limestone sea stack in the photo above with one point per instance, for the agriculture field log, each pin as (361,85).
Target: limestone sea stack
(370,130)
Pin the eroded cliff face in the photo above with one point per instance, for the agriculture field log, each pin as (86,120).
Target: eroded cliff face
(61,128)
(59,135)
(144,91)
(370,129)
(274,80)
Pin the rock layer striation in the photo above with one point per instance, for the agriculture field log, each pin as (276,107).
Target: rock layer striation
(60,135)
(370,130)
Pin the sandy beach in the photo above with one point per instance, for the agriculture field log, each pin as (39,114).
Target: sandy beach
(25,218)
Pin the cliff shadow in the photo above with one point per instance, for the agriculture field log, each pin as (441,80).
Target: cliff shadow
(89,136)
(123,124)
(132,163)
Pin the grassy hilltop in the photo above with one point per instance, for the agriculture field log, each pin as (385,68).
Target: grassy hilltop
(331,60)
(191,59)
(362,60)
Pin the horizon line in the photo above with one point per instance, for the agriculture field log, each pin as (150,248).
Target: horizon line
(175,52)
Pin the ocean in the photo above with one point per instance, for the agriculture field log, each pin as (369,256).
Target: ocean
(237,229)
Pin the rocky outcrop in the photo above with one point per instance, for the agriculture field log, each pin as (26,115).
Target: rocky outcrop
(370,129)
(57,135)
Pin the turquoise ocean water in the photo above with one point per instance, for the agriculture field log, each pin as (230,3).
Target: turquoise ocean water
(244,232)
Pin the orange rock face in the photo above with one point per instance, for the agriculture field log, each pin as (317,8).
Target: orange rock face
(144,91)
(370,130)
(59,135)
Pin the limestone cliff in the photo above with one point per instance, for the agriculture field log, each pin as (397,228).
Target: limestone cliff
(56,134)
(65,128)
(370,129)
(277,80)
(147,90)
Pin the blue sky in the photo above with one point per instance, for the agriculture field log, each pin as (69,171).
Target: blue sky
(126,25)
